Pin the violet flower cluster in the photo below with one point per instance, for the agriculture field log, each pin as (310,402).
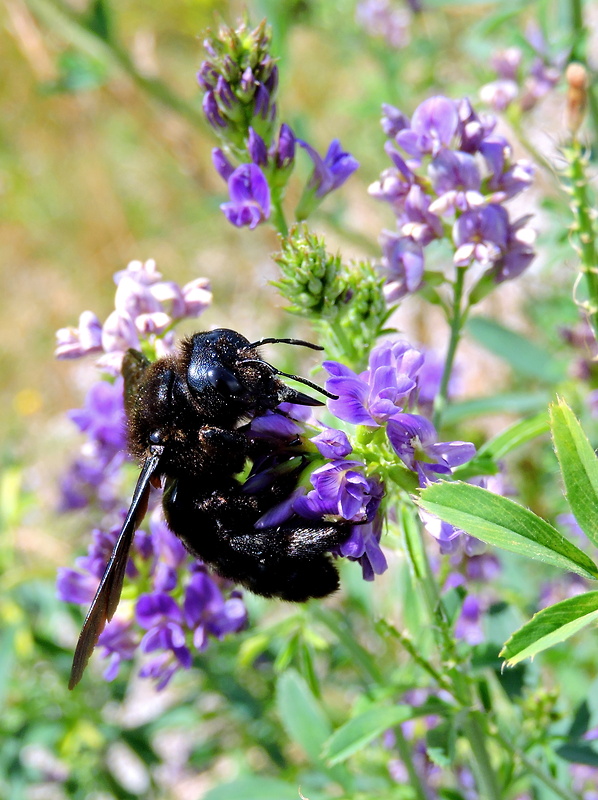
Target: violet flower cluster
(240,81)
(518,82)
(380,400)
(450,180)
(179,605)
(145,309)
(385,19)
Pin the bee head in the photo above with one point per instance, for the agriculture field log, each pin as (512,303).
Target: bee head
(226,372)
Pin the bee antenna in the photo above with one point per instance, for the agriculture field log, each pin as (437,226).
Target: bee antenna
(297,378)
(272,340)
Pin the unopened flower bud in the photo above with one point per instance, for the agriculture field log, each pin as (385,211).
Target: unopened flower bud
(577,95)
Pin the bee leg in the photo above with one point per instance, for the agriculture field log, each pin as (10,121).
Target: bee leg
(223,448)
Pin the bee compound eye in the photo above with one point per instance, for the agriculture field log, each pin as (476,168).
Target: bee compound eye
(155,437)
(224,381)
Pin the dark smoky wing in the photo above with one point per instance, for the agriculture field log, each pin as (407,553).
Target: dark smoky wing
(106,599)
(133,370)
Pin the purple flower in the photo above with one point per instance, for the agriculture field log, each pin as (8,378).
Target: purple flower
(73,586)
(162,618)
(93,475)
(77,342)
(469,624)
(451,170)
(518,253)
(212,111)
(379,18)
(208,613)
(340,490)
(413,438)
(393,120)
(395,182)
(332,443)
(418,220)
(433,125)
(103,416)
(363,545)
(402,264)
(445,534)
(169,550)
(473,129)
(197,296)
(380,392)
(499,94)
(144,304)
(331,171)
(284,151)
(506,63)
(119,644)
(250,197)
(481,236)
(256,147)
(222,164)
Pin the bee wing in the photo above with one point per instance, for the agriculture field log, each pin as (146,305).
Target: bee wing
(106,599)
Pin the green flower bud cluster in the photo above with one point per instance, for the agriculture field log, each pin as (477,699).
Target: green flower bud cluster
(240,80)
(312,279)
(344,301)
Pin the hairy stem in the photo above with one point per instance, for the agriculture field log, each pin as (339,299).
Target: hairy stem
(583,229)
(531,766)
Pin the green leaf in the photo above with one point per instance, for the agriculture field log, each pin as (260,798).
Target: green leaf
(579,753)
(581,721)
(98,19)
(500,445)
(525,357)
(301,714)
(355,734)
(440,744)
(579,467)
(503,523)
(509,403)
(551,626)
(254,789)
(515,436)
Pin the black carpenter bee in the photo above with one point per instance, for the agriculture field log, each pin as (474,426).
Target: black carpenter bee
(185,424)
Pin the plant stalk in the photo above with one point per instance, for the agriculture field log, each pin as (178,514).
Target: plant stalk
(458,316)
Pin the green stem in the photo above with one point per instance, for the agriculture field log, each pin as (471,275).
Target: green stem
(532,766)
(487,783)
(404,749)
(344,350)
(537,156)
(583,228)
(457,320)
(422,662)
(577,17)
(460,687)
(278,217)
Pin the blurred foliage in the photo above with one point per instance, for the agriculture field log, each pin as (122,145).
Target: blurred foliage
(104,159)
